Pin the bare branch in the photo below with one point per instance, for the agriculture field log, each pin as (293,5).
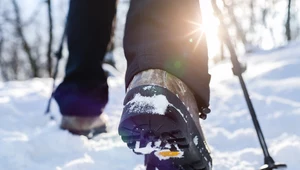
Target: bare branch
(34,15)
(50,42)
(25,44)
(240,32)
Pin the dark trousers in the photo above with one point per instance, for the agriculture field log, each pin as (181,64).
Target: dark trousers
(159,34)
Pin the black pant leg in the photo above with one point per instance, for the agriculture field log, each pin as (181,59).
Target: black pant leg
(84,91)
(89,30)
(167,35)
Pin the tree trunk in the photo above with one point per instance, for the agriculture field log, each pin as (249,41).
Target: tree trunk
(287,24)
(15,61)
(50,42)
(2,66)
(252,18)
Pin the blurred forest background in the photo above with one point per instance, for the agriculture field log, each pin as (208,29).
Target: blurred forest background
(31,30)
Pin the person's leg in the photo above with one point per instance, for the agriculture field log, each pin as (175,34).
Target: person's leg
(167,35)
(167,82)
(84,90)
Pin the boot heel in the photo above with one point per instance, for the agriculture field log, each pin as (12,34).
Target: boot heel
(152,125)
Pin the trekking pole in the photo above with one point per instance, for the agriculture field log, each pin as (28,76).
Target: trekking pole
(238,71)
(58,56)
(268,160)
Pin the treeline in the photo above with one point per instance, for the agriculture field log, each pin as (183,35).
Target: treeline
(30,31)
(28,37)
(255,24)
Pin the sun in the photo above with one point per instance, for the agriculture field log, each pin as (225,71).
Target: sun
(209,27)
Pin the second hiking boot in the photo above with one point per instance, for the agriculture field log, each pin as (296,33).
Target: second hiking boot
(87,126)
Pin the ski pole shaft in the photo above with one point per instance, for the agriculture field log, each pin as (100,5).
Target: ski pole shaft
(238,71)
(58,56)
(254,118)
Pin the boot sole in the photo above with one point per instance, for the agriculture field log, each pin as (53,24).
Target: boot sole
(90,134)
(167,140)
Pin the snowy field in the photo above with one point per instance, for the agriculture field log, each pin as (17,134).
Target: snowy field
(30,141)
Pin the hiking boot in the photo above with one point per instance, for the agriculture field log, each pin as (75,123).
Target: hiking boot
(80,105)
(161,120)
(87,126)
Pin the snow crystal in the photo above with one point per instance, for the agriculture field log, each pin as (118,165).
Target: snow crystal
(147,87)
(196,140)
(156,104)
(145,150)
(179,111)
(157,143)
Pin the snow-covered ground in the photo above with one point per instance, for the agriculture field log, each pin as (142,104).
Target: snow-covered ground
(30,141)
(273,79)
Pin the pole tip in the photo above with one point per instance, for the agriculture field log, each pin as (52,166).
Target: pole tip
(273,166)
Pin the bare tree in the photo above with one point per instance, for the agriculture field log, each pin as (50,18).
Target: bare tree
(50,42)
(25,45)
(15,62)
(288,24)
(27,48)
(252,15)
(2,64)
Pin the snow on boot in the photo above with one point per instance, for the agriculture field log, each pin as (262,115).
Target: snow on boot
(87,126)
(161,120)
